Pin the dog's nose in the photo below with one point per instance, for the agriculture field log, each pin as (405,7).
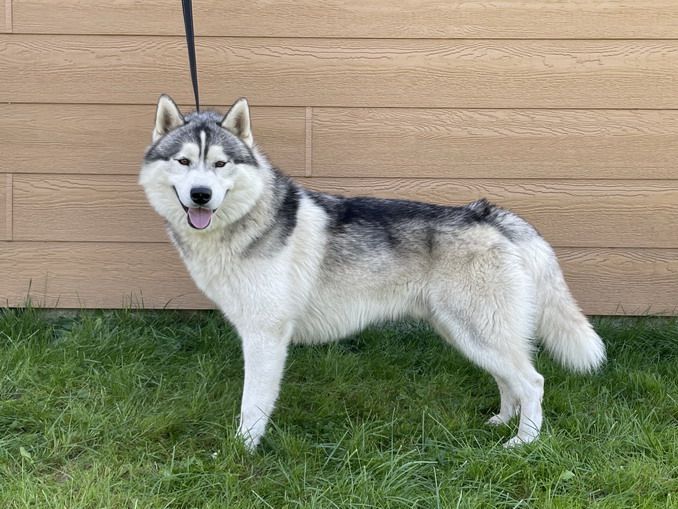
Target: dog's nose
(201,195)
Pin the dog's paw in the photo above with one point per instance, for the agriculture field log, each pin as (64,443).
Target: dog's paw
(249,439)
(498,420)
(518,441)
(513,442)
(249,443)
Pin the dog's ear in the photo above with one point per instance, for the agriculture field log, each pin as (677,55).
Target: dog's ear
(167,117)
(237,121)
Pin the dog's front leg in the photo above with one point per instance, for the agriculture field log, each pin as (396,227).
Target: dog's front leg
(264,355)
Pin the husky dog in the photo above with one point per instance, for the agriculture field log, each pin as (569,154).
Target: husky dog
(284,264)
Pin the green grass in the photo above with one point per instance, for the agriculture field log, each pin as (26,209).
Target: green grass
(138,409)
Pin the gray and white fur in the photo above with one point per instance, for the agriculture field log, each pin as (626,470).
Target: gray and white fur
(286,264)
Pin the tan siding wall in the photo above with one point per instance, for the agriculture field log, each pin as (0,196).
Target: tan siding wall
(540,19)
(344,72)
(87,138)
(496,143)
(567,112)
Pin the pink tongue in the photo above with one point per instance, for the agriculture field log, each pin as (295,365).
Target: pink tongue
(199,218)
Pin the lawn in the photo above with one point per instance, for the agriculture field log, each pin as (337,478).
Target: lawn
(138,409)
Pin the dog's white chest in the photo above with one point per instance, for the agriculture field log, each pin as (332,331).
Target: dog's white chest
(250,292)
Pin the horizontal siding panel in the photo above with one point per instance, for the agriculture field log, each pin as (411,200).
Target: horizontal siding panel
(358,18)
(84,208)
(361,142)
(568,213)
(622,281)
(344,72)
(111,139)
(111,275)
(92,275)
(367,142)
(5,206)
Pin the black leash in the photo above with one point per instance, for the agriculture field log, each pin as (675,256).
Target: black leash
(190,43)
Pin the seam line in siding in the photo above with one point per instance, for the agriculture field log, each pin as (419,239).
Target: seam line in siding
(9,24)
(309,142)
(9,205)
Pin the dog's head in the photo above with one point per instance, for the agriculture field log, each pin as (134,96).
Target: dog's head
(202,169)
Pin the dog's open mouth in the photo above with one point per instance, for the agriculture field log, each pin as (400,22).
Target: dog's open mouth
(197,217)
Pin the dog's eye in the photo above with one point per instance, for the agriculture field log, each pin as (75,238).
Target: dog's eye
(183,161)
(220,164)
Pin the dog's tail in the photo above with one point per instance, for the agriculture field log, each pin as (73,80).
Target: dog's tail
(561,326)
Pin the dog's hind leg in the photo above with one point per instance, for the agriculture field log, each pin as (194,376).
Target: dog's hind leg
(494,346)
(508,407)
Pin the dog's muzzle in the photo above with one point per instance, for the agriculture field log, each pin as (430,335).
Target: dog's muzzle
(198,218)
